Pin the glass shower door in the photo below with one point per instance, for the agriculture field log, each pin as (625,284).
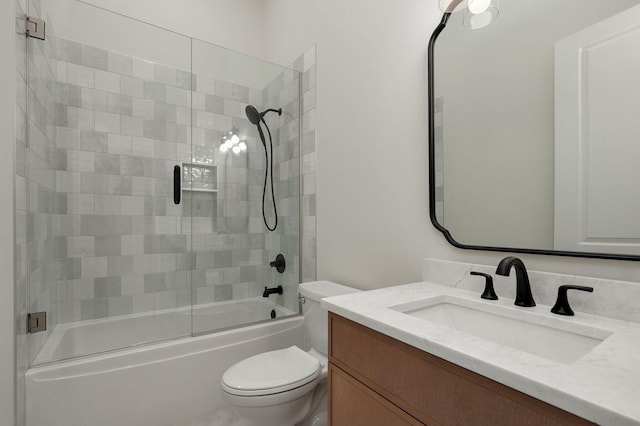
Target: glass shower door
(232,246)
(109,119)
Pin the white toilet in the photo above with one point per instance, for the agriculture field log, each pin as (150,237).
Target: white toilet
(287,386)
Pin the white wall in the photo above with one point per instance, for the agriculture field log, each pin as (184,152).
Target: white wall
(233,24)
(237,26)
(373,227)
(7,114)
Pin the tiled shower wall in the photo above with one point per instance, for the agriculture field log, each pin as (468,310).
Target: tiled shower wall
(306,64)
(284,92)
(122,124)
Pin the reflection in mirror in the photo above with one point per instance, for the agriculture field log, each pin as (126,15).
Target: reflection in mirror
(535,130)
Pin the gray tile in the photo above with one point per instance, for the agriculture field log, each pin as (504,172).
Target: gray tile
(80,118)
(120,104)
(93,183)
(143,69)
(107,245)
(93,99)
(93,141)
(154,129)
(106,164)
(107,204)
(223,89)
(155,282)
(131,126)
(94,57)
(119,185)
(94,308)
(103,225)
(214,104)
(165,112)
(107,287)
(107,81)
(131,86)
(120,265)
(93,267)
(155,91)
(120,64)
(143,108)
(222,259)
(122,305)
(131,166)
(58,159)
(223,293)
(165,75)
(120,145)
(240,93)
(183,79)
(79,75)
(68,95)
(69,51)
(107,122)
(131,205)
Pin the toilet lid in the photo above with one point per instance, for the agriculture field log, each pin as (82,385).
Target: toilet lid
(271,372)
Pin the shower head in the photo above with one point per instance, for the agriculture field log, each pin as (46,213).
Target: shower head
(253,115)
(256,117)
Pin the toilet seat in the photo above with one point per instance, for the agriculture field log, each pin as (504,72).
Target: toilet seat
(271,372)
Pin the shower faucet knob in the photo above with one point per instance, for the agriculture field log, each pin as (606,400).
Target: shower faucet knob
(279,263)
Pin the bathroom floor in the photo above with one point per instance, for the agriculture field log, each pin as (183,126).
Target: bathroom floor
(220,417)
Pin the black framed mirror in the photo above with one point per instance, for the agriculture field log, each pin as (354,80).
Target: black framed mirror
(532,140)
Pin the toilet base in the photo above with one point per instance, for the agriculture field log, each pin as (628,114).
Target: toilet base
(283,414)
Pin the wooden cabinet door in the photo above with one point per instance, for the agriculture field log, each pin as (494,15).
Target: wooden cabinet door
(353,404)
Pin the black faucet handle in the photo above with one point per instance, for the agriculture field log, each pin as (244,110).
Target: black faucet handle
(489,293)
(562,302)
(280,263)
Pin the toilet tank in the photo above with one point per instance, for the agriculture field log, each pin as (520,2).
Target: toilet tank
(315,317)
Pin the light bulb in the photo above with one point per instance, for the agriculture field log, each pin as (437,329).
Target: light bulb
(236,149)
(479,6)
(242,146)
(235,139)
(224,147)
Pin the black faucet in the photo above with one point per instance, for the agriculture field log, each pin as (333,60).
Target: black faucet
(562,303)
(275,290)
(523,288)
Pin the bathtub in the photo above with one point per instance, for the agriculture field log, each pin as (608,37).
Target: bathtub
(153,384)
(80,338)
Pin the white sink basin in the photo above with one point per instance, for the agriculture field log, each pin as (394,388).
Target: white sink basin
(555,339)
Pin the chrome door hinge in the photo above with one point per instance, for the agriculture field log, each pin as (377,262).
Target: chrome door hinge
(35,28)
(36,321)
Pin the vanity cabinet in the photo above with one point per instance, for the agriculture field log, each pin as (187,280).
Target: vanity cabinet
(377,380)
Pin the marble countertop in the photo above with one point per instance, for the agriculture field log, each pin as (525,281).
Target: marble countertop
(602,386)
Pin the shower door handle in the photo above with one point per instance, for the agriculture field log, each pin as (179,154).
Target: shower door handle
(177,190)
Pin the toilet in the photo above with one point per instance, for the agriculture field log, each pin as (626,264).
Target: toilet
(288,386)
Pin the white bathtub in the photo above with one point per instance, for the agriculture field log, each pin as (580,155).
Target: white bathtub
(89,337)
(155,384)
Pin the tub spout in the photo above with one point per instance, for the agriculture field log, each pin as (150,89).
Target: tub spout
(275,290)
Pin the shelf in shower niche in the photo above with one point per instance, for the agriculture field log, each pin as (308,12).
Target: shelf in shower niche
(200,190)
(200,178)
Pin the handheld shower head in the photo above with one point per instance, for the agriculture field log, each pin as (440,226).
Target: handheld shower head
(253,115)
(256,117)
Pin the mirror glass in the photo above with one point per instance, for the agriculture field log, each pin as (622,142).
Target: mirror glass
(537,127)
